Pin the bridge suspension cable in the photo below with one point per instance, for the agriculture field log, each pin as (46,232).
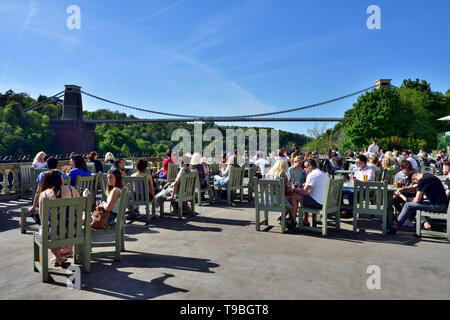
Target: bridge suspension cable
(230,118)
(46,101)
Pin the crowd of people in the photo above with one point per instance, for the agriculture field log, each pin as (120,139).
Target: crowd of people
(304,179)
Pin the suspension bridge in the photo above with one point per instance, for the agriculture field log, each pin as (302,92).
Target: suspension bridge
(72,127)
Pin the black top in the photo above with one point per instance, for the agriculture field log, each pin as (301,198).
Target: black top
(447,184)
(98,165)
(432,187)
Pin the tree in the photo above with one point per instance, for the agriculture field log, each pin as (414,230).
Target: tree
(378,113)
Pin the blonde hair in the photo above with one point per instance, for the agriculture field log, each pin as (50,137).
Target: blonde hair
(196,159)
(387,162)
(39,154)
(109,156)
(280,167)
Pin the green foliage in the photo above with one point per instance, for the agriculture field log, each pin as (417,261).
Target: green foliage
(390,143)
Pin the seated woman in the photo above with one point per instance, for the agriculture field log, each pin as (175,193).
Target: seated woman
(141,165)
(39,161)
(53,187)
(93,158)
(387,163)
(222,180)
(202,173)
(119,165)
(79,168)
(279,171)
(109,158)
(113,192)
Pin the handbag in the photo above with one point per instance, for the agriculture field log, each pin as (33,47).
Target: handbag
(100,220)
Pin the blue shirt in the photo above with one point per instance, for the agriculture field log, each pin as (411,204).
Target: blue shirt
(77,172)
(42,174)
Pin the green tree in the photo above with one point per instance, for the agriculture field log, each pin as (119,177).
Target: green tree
(378,113)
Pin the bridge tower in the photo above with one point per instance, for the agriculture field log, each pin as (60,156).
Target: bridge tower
(383,83)
(73,105)
(72,134)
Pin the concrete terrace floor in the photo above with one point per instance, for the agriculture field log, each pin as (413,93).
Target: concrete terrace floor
(218,255)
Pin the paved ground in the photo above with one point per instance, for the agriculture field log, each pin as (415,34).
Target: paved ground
(219,255)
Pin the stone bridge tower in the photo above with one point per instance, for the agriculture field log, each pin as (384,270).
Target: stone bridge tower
(71,133)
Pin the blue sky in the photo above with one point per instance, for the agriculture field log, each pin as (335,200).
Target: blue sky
(222,57)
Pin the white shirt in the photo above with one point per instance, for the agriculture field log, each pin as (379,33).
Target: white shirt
(261,163)
(318,182)
(413,163)
(373,149)
(40,165)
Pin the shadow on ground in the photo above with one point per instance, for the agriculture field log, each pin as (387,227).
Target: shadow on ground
(106,278)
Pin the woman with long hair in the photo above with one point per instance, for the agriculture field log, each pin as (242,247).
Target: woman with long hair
(79,168)
(279,171)
(113,191)
(93,158)
(39,161)
(119,164)
(53,187)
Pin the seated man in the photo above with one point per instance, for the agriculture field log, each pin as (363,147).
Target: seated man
(52,163)
(313,194)
(170,189)
(334,159)
(440,161)
(407,156)
(407,188)
(363,170)
(427,185)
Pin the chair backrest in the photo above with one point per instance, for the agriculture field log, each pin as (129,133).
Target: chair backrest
(251,176)
(26,175)
(139,189)
(269,194)
(107,166)
(370,197)
(123,205)
(89,183)
(65,215)
(172,172)
(187,185)
(333,195)
(91,167)
(85,183)
(236,179)
(214,168)
(388,175)
(102,179)
(378,175)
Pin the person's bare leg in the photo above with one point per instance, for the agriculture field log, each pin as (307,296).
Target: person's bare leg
(58,260)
